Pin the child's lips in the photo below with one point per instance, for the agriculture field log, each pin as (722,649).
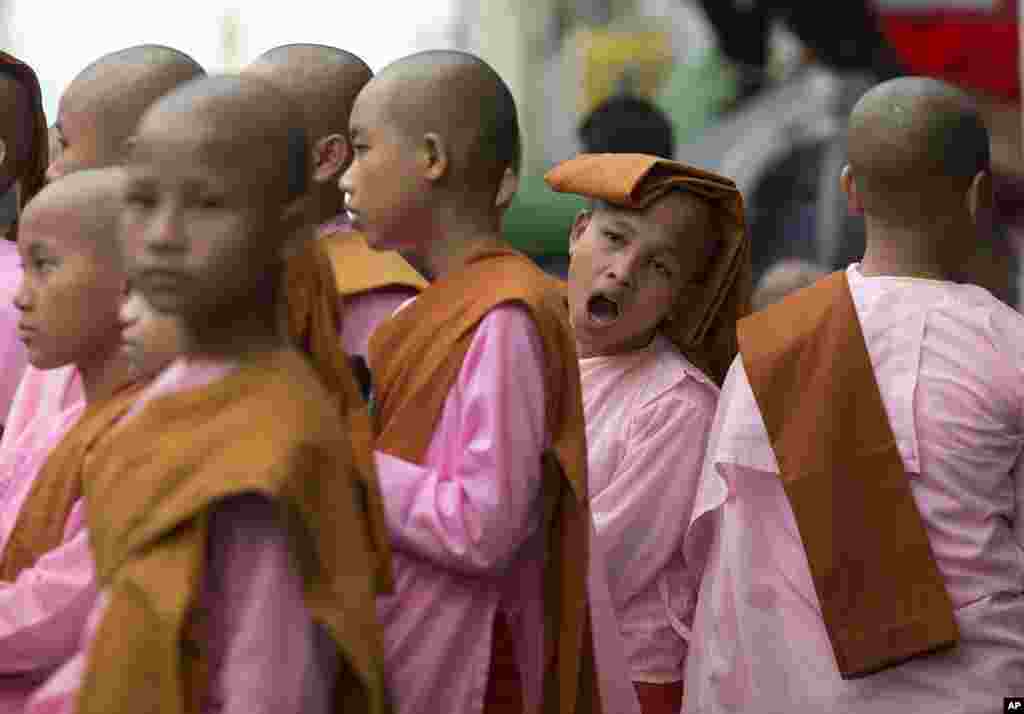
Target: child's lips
(603,310)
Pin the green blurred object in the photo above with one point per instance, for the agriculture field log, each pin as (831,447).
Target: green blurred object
(538,221)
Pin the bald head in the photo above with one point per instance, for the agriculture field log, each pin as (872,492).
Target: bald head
(238,124)
(913,141)
(82,208)
(463,100)
(103,104)
(323,80)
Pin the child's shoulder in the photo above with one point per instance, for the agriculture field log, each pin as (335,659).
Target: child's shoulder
(671,377)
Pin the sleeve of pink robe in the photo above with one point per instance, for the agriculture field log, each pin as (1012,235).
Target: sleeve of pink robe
(364,311)
(267,655)
(475,509)
(654,491)
(43,612)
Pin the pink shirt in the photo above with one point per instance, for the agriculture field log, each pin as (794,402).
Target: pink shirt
(466,536)
(949,360)
(13,357)
(43,612)
(362,312)
(648,416)
(266,654)
(43,395)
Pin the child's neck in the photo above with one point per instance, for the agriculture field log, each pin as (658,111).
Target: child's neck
(907,252)
(454,247)
(248,335)
(104,374)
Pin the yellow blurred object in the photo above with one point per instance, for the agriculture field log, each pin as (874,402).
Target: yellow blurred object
(606,57)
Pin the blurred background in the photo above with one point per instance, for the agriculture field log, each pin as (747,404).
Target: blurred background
(756,89)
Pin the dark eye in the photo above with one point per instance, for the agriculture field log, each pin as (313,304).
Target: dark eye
(360,149)
(139,199)
(43,265)
(211,202)
(613,238)
(663,268)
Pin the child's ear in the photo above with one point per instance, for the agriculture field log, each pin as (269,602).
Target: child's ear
(435,156)
(981,199)
(330,157)
(579,226)
(848,183)
(3,152)
(507,189)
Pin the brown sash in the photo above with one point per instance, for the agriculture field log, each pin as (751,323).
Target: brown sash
(416,357)
(314,318)
(359,268)
(882,597)
(58,485)
(268,428)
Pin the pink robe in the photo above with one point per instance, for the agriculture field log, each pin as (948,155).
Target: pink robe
(949,361)
(266,654)
(648,413)
(43,612)
(467,537)
(363,311)
(41,394)
(13,357)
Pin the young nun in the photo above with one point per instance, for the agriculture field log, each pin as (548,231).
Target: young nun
(68,298)
(659,273)
(859,518)
(480,437)
(369,284)
(336,288)
(97,113)
(23,155)
(235,563)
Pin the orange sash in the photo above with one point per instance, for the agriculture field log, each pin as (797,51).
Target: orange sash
(58,485)
(882,597)
(416,357)
(270,428)
(314,319)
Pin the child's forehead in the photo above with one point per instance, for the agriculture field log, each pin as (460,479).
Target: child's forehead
(674,211)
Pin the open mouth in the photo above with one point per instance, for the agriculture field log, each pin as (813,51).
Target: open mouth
(602,309)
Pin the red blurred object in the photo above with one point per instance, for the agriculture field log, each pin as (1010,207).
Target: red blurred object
(974,49)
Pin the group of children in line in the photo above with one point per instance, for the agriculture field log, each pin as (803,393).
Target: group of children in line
(299,432)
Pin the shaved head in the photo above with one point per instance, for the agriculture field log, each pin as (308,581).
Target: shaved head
(109,96)
(243,124)
(323,80)
(85,208)
(913,141)
(462,99)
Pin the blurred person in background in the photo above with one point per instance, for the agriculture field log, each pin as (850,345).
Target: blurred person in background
(783,278)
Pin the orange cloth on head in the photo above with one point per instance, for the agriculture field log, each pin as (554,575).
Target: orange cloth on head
(43,517)
(34,175)
(358,268)
(883,599)
(268,428)
(703,327)
(416,358)
(314,320)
